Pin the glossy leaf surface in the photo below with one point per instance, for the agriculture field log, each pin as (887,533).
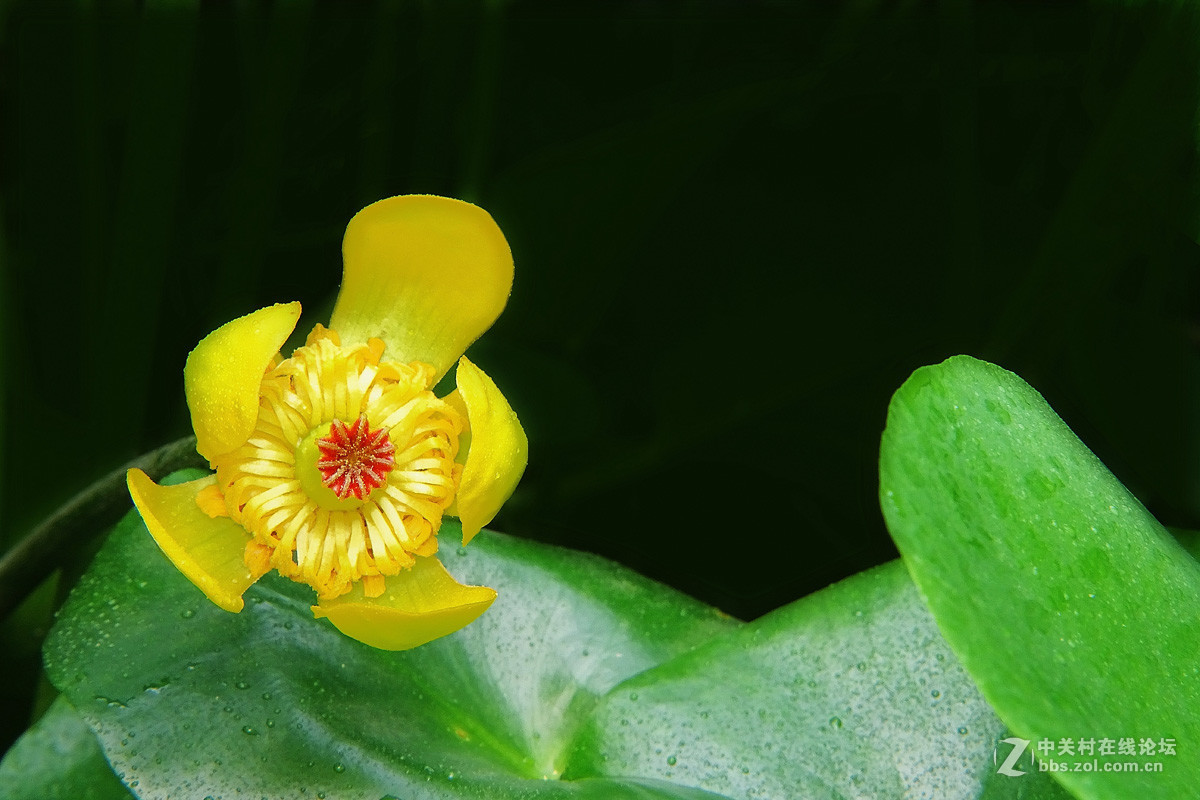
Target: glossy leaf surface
(584,680)
(58,759)
(849,693)
(1074,610)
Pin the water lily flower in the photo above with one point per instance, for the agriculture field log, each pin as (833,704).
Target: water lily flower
(336,465)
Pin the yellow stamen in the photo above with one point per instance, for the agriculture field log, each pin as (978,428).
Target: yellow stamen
(212,502)
(373,585)
(272,484)
(258,558)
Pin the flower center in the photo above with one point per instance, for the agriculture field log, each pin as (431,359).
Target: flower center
(355,459)
(334,499)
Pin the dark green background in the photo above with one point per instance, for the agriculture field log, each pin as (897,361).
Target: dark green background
(737,228)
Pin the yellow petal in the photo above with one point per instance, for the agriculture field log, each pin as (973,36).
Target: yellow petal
(417,606)
(209,551)
(498,449)
(224,373)
(427,275)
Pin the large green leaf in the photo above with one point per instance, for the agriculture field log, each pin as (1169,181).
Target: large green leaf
(58,759)
(1076,613)
(849,693)
(583,681)
(187,697)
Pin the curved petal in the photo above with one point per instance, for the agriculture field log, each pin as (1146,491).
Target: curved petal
(224,373)
(427,275)
(209,551)
(497,453)
(416,607)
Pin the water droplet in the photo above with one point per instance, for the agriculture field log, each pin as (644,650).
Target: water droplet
(745,770)
(270,723)
(835,722)
(242,685)
(228,709)
(266,695)
(188,613)
(861,666)
(634,696)
(320,796)
(962,730)
(999,412)
(339,768)
(671,760)
(935,694)
(460,551)
(249,731)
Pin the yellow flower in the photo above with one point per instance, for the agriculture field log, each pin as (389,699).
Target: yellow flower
(336,465)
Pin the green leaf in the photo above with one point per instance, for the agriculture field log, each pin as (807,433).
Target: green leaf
(581,671)
(849,693)
(1075,612)
(58,759)
(187,697)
